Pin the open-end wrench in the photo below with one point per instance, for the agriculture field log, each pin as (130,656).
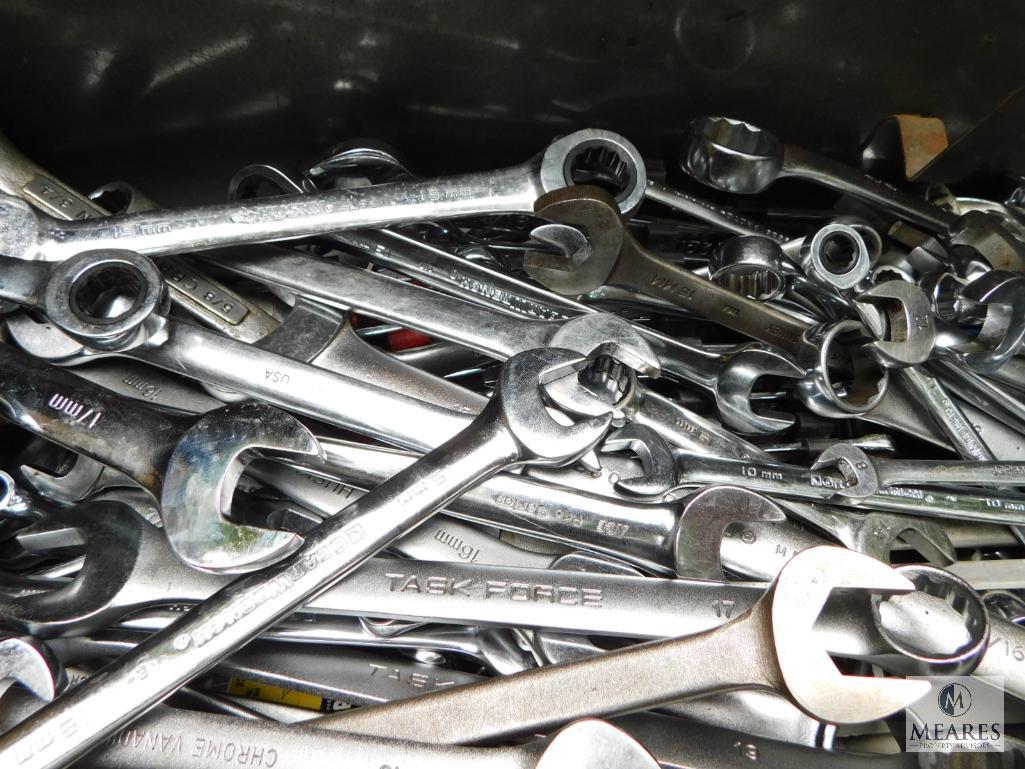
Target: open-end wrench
(768,647)
(735,156)
(33,665)
(189,465)
(865,475)
(33,236)
(146,333)
(203,297)
(728,376)
(513,428)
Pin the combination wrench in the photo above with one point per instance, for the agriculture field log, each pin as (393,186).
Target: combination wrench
(33,236)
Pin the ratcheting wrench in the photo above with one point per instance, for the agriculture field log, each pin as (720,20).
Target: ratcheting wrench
(513,428)
(32,236)
(203,297)
(189,465)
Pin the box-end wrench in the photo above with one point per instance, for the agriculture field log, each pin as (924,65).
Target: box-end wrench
(513,428)
(33,236)
(735,156)
(203,297)
(769,647)
(189,465)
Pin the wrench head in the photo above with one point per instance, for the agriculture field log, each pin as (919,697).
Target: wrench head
(521,395)
(593,744)
(657,462)
(31,663)
(856,467)
(573,248)
(604,334)
(112,535)
(596,154)
(1003,327)
(911,328)
(200,482)
(592,211)
(704,518)
(875,534)
(809,675)
(737,376)
(731,155)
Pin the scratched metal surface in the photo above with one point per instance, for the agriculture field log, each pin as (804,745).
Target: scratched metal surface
(165,89)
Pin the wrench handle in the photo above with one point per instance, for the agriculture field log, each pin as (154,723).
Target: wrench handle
(643,271)
(64,408)
(537,701)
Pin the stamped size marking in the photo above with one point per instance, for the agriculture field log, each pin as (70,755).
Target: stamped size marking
(188,282)
(58,199)
(1014,651)
(464,550)
(79,413)
(146,390)
(761,473)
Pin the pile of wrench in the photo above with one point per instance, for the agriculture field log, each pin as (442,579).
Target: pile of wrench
(557,465)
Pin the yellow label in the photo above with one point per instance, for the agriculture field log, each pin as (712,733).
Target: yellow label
(242,687)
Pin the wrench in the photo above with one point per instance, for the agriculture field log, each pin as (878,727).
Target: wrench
(768,647)
(206,299)
(32,236)
(736,156)
(680,538)
(187,464)
(33,665)
(513,428)
(147,334)
(128,567)
(801,483)
(204,740)
(865,475)
(729,377)
(495,333)
(616,257)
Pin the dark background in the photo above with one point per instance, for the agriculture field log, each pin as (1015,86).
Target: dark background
(175,96)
